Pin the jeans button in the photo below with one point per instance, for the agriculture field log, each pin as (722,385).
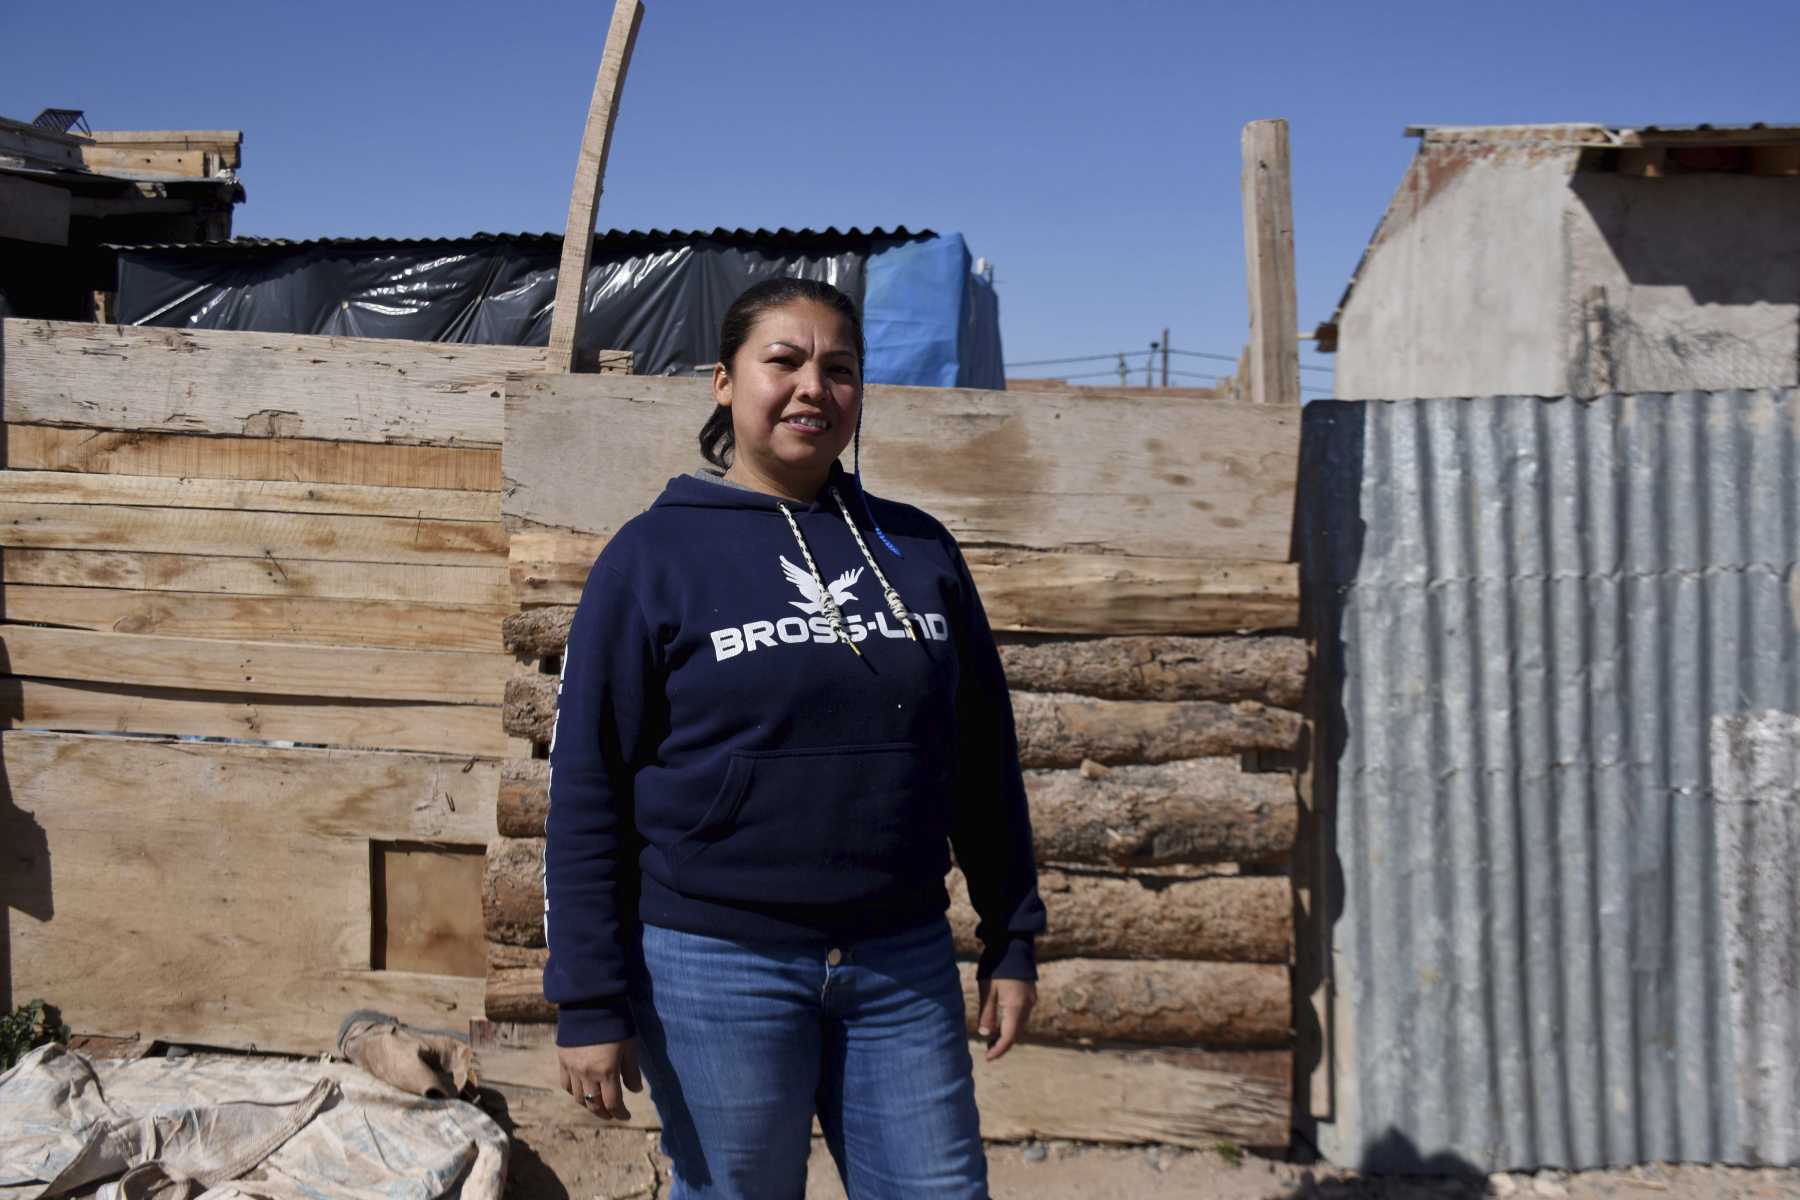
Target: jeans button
(835,957)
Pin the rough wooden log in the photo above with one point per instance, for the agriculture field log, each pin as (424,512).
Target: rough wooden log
(1212,1004)
(1267,669)
(512,892)
(538,631)
(515,984)
(1197,811)
(529,710)
(1193,811)
(1271,670)
(1054,730)
(1246,918)
(1169,1003)
(524,803)
(1228,919)
(1183,1097)
(1058,730)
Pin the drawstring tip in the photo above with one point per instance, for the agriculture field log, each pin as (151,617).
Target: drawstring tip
(853,649)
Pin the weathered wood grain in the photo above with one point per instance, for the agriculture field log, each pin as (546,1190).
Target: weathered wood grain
(466,729)
(1192,811)
(1195,811)
(524,804)
(550,566)
(267,668)
(1174,1003)
(1033,592)
(1220,919)
(386,623)
(423,583)
(1178,1097)
(1054,730)
(1246,918)
(258,384)
(302,460)
(1271,670)
(1057,730)
(590,174)
(247,495)
(1022,591)
(220,894)
(1273,352)
(529,708)
(1038,471)
(1155,1003)
(277,536)
(512,892)
(538,632)
(515,984)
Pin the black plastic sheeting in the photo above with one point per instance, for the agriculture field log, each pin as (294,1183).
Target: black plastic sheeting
(659,295)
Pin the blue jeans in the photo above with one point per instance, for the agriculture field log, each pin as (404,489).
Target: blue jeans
(742,1042)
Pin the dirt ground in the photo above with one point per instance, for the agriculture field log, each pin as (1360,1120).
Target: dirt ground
(555,1160)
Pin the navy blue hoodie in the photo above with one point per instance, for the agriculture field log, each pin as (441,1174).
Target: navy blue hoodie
(724,764)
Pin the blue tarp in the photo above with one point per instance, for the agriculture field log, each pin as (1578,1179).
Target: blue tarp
(930,320)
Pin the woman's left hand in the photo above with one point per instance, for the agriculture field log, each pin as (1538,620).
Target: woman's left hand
(1006,1006)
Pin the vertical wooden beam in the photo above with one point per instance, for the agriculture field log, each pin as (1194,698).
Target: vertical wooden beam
(1269,261)
(590,171)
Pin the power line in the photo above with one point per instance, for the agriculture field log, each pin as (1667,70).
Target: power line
(1112,356)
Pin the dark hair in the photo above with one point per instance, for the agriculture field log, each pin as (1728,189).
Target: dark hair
(716,438)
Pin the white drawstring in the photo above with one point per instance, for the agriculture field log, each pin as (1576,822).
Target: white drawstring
(826,600)
(887,589)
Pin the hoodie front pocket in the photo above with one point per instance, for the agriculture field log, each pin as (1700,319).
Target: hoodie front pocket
(817,826)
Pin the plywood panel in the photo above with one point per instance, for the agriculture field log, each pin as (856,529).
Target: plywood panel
(257,384)
(52,448)
(277,536)
(218,893)
(428,909)
(251,495)
(467,729)
(389,623)
(1040,471)
(266,576)
(268,668)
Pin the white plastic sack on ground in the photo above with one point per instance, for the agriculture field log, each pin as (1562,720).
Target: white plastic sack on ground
(221,1126)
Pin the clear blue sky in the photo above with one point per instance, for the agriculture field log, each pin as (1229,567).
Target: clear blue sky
(1089,150)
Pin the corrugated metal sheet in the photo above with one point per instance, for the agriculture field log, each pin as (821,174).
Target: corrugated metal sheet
(1562,676)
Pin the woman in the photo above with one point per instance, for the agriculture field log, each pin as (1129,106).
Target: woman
(779,702)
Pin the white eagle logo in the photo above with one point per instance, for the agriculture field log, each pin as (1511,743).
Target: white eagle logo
(814,602)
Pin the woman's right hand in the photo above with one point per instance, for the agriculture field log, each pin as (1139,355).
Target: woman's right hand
(593,1074)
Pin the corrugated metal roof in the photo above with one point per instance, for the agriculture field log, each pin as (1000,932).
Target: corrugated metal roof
(253,245)
(1559,642)
(1589,133)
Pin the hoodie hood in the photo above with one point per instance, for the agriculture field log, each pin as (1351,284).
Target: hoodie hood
(697,490)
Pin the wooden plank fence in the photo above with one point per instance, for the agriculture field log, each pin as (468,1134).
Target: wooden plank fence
(1134,552)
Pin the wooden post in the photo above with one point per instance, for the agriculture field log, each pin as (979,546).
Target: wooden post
(1269,261)
(590,171)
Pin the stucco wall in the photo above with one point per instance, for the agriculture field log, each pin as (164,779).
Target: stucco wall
(1461,293)
(1504,270)
(1687,282)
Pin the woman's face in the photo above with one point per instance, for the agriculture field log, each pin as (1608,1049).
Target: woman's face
(794,391)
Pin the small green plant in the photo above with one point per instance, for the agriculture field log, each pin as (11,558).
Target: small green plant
(1231,1152)
(28,1027)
